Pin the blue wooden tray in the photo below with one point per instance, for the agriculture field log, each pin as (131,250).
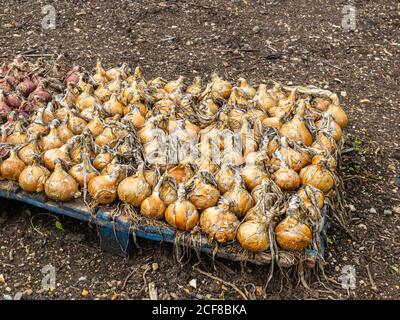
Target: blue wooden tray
(116,233)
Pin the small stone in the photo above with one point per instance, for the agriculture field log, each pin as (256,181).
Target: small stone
(396,181)
(2,279)
(364,101)
(154,266)
(362,226)
(8,289)
(396,209)
(114,297)
(373,211)
(343,94)
(256,29)
(352,208)
(82,279)
(85,293)
(174,27)
(77,30)
(387,212)
(193,283)
(7,297)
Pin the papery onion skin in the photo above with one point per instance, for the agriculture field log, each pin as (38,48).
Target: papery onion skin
(153,207)
(318,176)
(253,236)
(182,214)
(338,114)
(76,172)
(134,189)
(29,153)
(287,179)
(12,167)
(60,186)
(291,234)
(253,175)
(307,193)
(103,188)
(219,224)
(33,178)
(241,200)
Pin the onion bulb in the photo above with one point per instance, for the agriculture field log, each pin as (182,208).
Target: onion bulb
(338,114)
(253,175)
(324,143)
(325,159)
(219,223)
(106,138)
(52,140)
(253,235)
(246,87)
(102,159)
(64,133)
(225,178)
(76,124)
(29,153)
(134,189)
(103,188)
(60,186)
(182,214)
(205,193)
(296,131)
(95,126)
(311,195)
(12,167)
(50,157)
(168,190)
(318,176)
(181,173)
(241,200)
(291,234)
(286,178)
(33,178)
(331,127)
(153,207)
(264,100)
(83,172)
(18,136)
(220,88)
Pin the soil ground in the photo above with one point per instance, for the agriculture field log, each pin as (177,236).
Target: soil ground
(299,42)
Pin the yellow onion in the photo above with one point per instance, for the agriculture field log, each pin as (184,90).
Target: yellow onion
(219,223)
(311,195)
(102,159)
(286,178)
(76,124)
(324,143)
(115,166)
(83,172)
(29,153)
(134,189)
(165,106)
(33,178)
(269,192)
(168,190)
(18,136)
(12,167)
(76,152)
(253,175)
(225,178)
(206,163)
(114,106)
(95,126)
(182,214)
(273,122)
(318,176)
(175,84)
(253,234)
(235,118)
(64,133)
(338,114)
(291,234)
(52,140)
(103,188)
(256,113)
(151,177)
(264,100)
(106,138)
(49,157)
(205,193)
(325,159)
(246,87)
(321,104)
(48,114)
(86,99)
(195,87)
(153,207)
(296,131)
(150,131)
(37,128)
(220,88)
(295,159)
(331,127)
(60,186)
(181,173)
(241,200)
(135,118)
(102,93)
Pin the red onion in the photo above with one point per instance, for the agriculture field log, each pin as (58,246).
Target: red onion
(4,108)
(13,101)
(3,69)
(42,94)
(36,79)
(26,87)
(72,76)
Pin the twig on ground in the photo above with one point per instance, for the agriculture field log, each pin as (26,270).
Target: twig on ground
(127,279)
(371,280)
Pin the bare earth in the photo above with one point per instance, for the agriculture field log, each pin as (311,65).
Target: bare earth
(300,41)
